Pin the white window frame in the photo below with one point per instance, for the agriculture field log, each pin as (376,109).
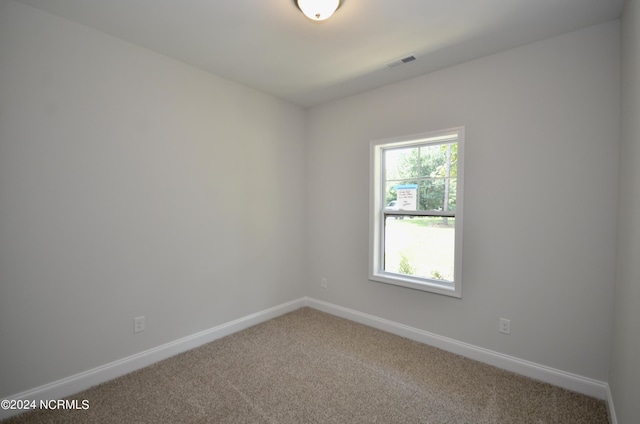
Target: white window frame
(377,213)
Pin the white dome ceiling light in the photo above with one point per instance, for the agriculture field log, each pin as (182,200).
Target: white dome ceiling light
(318,10)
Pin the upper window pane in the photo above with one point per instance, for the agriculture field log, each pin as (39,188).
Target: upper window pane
(421,178)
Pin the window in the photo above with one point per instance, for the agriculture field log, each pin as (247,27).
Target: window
(416,211)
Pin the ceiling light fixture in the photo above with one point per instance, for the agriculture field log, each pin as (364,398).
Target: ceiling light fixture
(318,10)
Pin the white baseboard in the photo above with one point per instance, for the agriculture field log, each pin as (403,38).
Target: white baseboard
(82,381)
(576,383)
(611,410)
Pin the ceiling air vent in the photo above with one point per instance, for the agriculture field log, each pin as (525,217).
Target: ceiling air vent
(401,61)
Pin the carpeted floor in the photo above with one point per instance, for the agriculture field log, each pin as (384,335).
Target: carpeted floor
(311,367)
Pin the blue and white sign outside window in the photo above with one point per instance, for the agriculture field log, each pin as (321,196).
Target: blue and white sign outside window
(407,199)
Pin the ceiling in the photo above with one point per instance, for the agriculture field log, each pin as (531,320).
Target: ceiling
(271,46)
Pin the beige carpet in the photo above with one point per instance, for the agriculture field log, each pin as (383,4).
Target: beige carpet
(311,367)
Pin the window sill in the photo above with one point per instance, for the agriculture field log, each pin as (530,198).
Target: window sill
(422,284)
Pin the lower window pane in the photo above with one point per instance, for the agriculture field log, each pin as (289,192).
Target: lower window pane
(420,246)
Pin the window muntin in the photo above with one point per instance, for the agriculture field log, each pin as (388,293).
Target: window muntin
(416,213)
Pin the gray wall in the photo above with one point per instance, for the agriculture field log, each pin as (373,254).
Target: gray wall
(625,359)
(132,184)
(542,131)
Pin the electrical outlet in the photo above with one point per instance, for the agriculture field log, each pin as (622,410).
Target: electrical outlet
(138,324)
(504,326)
(323,283)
